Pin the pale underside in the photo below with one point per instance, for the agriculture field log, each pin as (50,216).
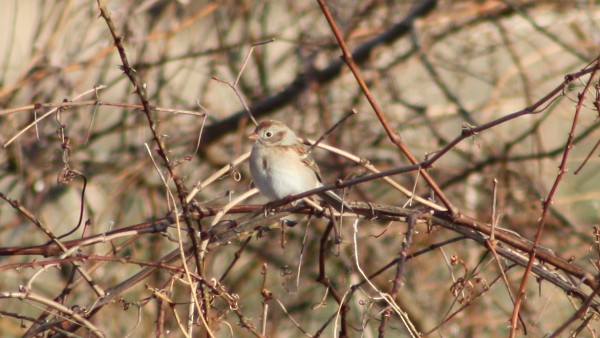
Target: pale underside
(280,175)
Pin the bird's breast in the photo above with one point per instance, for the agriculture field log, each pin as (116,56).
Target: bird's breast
(277,173)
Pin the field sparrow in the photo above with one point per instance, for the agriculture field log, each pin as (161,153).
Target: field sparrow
(280,165)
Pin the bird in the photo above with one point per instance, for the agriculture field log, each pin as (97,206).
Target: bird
(280,165)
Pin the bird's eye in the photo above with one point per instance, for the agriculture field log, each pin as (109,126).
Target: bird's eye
(268,134)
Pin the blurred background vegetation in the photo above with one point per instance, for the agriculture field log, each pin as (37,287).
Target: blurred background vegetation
(435,68)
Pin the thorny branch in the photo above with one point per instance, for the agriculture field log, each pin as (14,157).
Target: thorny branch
(397,250)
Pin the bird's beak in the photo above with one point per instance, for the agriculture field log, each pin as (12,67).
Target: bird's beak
(253,137)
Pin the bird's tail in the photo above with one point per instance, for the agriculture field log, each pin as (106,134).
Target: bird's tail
(335,201)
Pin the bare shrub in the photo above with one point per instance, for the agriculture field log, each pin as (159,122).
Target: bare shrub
(462,133)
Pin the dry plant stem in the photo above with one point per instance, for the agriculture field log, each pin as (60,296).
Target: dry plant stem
(330,130)
(191,284)
(374,170)
(239,96)
(411,256)
(489,161)
(323,279)
(81,208)
(29,284)
(235,231)
(162,151)
(491,245)
(302,248)
(205,239)
(141,93)
(380,211)
(200,131)
(462,307)
(332,71)
(179,323)
(28,295)
(220,214)
(385,316)
(37,120)
(587,157)
(98,258)
(494,212)
(73,284)
(584,324)
(543,272)
(234,86)
(86,103)
(115,291)
(236,258)
(17,205)
(287,313)
(267,296)
(548,201)
(406,322)
(216,175)
(228,231)
(515,244)
(579,314)
(237,80)
(230,205)
(533,109)
(21,317)
(245,323)
(160,318)
(466,227)
(52,249)
(466,133)
(393,136)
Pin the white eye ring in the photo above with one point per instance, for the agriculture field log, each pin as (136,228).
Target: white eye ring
(268,134)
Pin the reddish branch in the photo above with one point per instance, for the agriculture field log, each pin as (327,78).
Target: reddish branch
(303,82)
(244,228)
(162,149)
(385,316)
(393,136)
(228,231)
(546,203)
(323,279)
(579,314)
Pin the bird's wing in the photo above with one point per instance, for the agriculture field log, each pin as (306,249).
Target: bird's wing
(328,196)
(307,160)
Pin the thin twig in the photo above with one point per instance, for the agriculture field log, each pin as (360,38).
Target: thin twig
(392,135)
(330,130)
(548,201)
(35,107)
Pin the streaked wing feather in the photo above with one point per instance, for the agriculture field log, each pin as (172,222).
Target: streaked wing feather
(307,160)
(329,197)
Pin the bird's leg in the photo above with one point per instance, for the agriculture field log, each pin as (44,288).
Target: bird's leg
(271,205)
(267,208)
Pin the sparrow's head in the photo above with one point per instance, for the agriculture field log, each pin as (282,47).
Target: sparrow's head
(273,133)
